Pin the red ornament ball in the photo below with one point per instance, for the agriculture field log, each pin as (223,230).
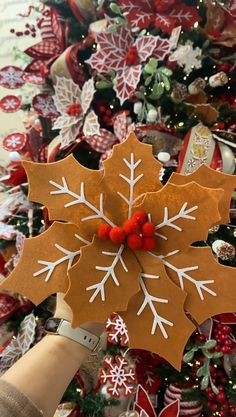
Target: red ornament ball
(140,217)
(148,229)
(117,234)
(148,243)
(104,231)
(131,226)
(134,241)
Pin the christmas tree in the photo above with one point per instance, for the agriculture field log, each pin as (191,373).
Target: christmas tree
(103,69)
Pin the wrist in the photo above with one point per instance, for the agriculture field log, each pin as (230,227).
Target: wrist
(71,349)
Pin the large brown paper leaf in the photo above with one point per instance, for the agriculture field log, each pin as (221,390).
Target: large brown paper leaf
(210,178)
(70,191)
(181,214)
(210,285)
(42,269)
(103,281)
(131,171)
(155,316)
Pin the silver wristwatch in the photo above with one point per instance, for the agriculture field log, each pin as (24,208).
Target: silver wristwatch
(63,327)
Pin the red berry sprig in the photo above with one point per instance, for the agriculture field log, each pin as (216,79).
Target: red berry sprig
(221,333)
(137,232)
(105,113)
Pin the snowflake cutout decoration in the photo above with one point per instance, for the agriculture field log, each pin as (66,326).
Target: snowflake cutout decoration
(121,52)
(117,331)
(14,142)
(149,289)
(11,77)
(10,104)
(119,375)
(74,106)
(43,104)
(187,57)
(143,13)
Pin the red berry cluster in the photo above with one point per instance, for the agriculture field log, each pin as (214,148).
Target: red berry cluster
(132,57)
(105,113)
(221,334)
(30,30)
(74,110)
(219,403)
(138,232)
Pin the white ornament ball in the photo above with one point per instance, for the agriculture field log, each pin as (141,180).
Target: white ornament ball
(187,408)
(138,107)
(152,116)
(163,157)
(14,156)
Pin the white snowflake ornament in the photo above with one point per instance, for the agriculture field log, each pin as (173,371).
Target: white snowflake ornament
(43,104)
(119,375)
(10,104)
(74,104)
(117,331)
(14,142)
(11,77)
(187,57)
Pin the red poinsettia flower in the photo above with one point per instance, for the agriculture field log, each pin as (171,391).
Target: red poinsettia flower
(164,14)
(51,45)
(121,52)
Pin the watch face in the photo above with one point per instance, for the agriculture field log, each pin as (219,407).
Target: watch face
(51,325)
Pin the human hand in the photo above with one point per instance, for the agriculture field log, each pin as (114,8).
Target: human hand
(63,311)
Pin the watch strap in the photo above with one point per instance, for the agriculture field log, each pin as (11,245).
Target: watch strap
(81,336)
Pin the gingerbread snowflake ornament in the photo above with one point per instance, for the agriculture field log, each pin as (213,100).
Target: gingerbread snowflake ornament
(121,242)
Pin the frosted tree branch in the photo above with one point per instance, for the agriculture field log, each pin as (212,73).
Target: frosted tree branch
(109,273)
(149,301)
(81,199)
(132,181)
(170,222)
(184,274)
(51,266)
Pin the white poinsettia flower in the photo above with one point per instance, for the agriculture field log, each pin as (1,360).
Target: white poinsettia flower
(74,104)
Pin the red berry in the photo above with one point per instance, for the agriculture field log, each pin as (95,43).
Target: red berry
(200,337)
(225,67)
(102,109)
(104,231)
(171,64)
(108,112)
(74,109)
(148,229)
(134,242)
(117,234)
(131,226)
(211,395)
(221,397)
(214,407)
(148,243)
(140,217)
(226,330)
(106,119)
